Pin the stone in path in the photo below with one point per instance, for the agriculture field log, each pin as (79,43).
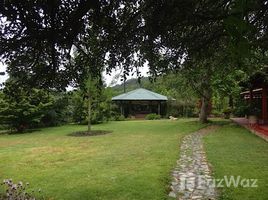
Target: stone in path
(192,176)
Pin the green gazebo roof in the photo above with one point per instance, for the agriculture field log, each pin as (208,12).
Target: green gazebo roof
(140,94)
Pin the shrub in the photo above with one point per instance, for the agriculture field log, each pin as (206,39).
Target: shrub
(17,191)
(152,116)
(216,113)
(181,109)
(227,112)
(119,118)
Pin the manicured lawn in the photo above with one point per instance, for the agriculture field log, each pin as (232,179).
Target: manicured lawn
(133,162)
(233,150)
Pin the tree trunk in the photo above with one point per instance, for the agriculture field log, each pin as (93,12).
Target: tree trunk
(204,112)
(89,115)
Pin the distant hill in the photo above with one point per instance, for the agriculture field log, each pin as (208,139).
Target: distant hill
(131,84)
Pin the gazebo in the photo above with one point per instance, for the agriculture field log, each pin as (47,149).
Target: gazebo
(140,102)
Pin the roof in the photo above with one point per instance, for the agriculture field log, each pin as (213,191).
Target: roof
(140,94)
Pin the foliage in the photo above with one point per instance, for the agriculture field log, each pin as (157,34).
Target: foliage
(78,107)
(227,112)
(216,113)
(102,109)
(90,90)
(253,109)
(182,98)
(96,28)
(119,118)
(59,112)
(17,191)
(196,45)
(194,27)
(179,108)
(36,60)
(153,116)
(241,108)
(208,41)
(22,108)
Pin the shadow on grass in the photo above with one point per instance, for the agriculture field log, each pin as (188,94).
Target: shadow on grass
(12,132)
(211,121)
(87,134)
(219,122)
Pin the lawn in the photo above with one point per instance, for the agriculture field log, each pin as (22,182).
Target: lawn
(233,150)
(133,162)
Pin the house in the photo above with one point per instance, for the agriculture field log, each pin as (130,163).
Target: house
(140,102)
(256,96)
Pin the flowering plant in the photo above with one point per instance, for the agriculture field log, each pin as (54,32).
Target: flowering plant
(17,191)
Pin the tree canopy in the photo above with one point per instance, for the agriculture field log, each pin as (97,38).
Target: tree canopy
(37,37)
(52,43)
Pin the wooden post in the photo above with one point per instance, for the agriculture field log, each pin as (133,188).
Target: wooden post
(250,96)
(264,104)
(159,107)
(121,108)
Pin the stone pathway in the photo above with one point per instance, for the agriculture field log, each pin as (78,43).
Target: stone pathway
(192,176)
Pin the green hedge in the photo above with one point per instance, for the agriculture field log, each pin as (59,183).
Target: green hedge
(152,116)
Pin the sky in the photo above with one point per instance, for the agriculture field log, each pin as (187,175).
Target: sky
(108,78)
(113,80)
(2,69)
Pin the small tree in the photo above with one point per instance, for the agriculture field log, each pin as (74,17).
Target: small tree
(90,91)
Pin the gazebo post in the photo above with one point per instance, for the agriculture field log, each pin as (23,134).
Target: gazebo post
(159,107)
(121,108)
(264,105)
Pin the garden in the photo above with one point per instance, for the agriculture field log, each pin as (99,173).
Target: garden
(71,126)
(134,161)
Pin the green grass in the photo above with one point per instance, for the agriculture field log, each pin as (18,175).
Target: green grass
(133,162)
(233,150)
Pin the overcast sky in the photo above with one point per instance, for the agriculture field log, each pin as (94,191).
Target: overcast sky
(108,79)
(2,69)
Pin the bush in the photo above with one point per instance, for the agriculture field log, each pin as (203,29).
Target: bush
(227,112)
(3,127)
(216,113)
(119,118)
(181,109)
(152,116)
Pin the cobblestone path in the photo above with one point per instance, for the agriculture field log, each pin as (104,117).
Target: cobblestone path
(191,178)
